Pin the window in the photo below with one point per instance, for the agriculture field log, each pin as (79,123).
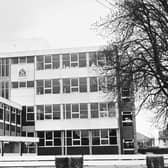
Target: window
(103,110)
(125,92)
(56,86)
(4,89)
(76,138)
(57,138)
(74,85)
(92,58)
(104,137)
(40,87)
(68,137)
(94,110)
(48,112)
(66,60)
(7,114)
(18,118)
(14,84)
(40,62)
(113,136)
(40,112)
(30,134)
(127,118)
(93,84)
(40,134)
(30,59)
(95,137)
(48,63)
(15,60)
(56,111)
(4,67)
(30,84)
(47,88)
(111,109)
(22,60)
(67,111)
(84,137)
(13,115)
(1,113)
(22,84)
(83,110)
(82,59)
(83,84)
(29,113)
(128,144)
(49,138)
(74,60)
(56,61)
(75,110)
(66,85)
(101,59)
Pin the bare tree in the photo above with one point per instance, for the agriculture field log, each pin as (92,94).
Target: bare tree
(142,44)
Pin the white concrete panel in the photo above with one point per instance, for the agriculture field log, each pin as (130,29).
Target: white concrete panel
(73,98)
(66,73)
(29,69)
(76,124)
(23,96)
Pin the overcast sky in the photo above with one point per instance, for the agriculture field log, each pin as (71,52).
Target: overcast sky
(60,23)
(34,24)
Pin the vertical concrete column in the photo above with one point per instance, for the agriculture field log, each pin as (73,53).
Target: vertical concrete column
(155,162)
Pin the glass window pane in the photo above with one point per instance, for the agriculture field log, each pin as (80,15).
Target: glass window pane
(22,59)
(40,62)
(22,84)
(82,59)
(94,110)
(40,87)
(56,61)
(83,110)
(56,85)
(30,59)
(83,84)
(56,111)
(92,59)
(47,59)
(49,135)
(30,84)
(93,84)
(66,60)
(40,112)
(15,60)
(14,84)
(104,133)
(66,85)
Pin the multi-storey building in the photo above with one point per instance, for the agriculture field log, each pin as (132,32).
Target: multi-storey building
(64,103)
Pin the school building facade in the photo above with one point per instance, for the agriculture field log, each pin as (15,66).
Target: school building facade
(64,104)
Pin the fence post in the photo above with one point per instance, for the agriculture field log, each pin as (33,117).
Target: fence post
(155,162)
(69,162)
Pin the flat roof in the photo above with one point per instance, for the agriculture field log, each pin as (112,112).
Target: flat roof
(10,103)
(50,51)
(18,139)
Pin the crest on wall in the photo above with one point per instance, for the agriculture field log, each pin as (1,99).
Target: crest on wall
(22,72)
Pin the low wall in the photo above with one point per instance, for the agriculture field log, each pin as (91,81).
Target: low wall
(89,161)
